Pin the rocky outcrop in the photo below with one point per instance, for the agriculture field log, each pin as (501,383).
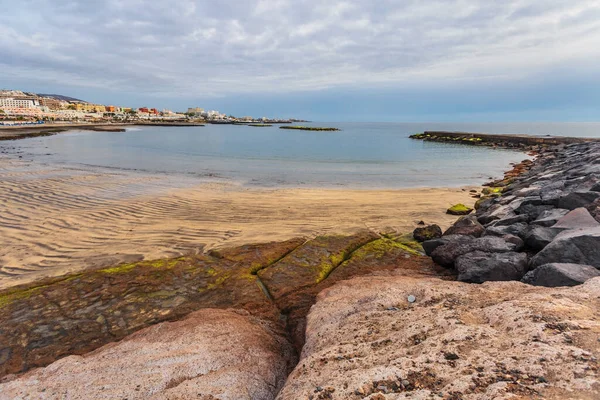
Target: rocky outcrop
(276,282)
(547,210)
(499,340)
(429,232)
(211,354)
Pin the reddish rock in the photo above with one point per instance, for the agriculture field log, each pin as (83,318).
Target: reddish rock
(211,354)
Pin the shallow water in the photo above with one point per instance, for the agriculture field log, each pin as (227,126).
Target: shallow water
(361,155)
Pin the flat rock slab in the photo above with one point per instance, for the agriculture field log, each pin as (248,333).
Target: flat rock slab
(550,217)
(498,340)
(559,274)
(208,355)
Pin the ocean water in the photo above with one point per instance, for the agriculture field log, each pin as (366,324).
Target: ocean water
(361,155)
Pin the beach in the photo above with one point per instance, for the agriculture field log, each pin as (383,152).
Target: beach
(57,219)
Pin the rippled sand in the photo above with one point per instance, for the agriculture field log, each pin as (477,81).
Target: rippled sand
(56,219)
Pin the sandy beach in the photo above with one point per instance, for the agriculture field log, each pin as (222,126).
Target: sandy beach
(55,220)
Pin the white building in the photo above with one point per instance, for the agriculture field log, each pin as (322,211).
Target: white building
(9,102)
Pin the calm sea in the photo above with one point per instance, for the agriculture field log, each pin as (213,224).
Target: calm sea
(361,155)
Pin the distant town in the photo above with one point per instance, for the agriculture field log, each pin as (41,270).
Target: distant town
(23,108)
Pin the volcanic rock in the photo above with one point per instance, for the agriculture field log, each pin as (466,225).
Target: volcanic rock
(560,274)
(480,266)
(429,232)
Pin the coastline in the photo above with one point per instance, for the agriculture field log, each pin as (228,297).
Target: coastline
(56,220)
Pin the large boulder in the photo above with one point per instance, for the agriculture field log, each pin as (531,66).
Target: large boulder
(578,199)
(480,266)
(577,219)
(429,232)
(499,340)
(446,254)
(539,237)
(574,246)
(211,354)
(467,225)
(430,245)
(550,217)
(560,274)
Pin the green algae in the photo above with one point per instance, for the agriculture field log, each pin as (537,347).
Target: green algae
(492,190)
(123,268)
(459,209)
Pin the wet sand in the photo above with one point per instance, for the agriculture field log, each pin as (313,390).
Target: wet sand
(56,219)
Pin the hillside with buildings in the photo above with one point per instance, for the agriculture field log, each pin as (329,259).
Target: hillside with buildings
(18,107)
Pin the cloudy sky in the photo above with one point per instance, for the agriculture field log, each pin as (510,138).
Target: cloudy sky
(378,60)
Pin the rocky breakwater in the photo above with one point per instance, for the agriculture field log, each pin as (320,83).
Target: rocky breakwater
(541,224)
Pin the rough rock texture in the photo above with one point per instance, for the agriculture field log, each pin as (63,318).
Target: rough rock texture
(550,217)
(459,209)
(558,274)
(539,237)
(78,313)
(446,254)
(210,354)
(429,232)
(467,225)
(498,340)
(578,246)
(479,267)
(577,219)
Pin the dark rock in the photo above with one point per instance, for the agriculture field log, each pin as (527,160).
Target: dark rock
(466,225)
(528,191)
(580,246)
(560,274)
(577,219)
(430,245)
(532,211)
(550,217)
(517,241)
(595,188)
(511,220)
(577,199)
(518,229)
(480,266)
(446,254)
(539,237)
(552,197)
(427,233)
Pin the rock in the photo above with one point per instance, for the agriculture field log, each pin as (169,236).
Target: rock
(574,246)
(467,225)
(577,199)
(211,354)
(446,254)
(427,233)
(510,219)
(550,217)
(595,188)
(560,274)
(518,229)
(533,211)
(539,237)
(516,240)
(501,332)
(459,209)
(480,266)
(577,219)
(430,245)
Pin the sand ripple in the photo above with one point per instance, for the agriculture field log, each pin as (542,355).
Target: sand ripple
(56,219)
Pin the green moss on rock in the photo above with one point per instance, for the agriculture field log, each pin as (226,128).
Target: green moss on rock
(459,209)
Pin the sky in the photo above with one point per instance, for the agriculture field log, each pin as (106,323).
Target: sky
(354,60)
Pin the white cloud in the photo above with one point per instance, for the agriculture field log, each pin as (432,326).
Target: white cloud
(233,46)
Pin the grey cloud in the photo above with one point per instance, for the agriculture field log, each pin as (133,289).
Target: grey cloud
(232,46)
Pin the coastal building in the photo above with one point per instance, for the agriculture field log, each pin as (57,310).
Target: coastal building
(195,111)
(10,102)
(52,104)
(111,109)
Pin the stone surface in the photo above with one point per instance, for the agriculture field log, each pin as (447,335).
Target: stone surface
(211,354)
(459,209)
(577,219)
(550,217)
(479,266)
(498,340)
(429,232)
(467,225)
(575,246)
(518,229)
(446,254)
(577,199)
(560,274)
(539,237)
